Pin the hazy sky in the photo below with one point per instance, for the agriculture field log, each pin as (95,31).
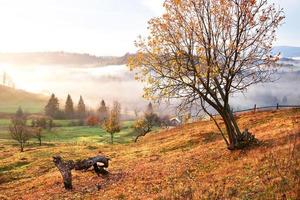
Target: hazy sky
(101,27)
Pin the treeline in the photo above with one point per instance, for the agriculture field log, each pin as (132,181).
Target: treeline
(23,127)
(80,111)
(70,111)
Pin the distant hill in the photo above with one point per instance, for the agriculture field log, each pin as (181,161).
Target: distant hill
(287,51)
(61,58)
(87,60)
(11,99)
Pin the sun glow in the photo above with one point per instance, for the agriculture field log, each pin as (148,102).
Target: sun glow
(22,78)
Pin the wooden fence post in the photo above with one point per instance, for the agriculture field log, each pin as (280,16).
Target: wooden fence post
(277,106)
(254,108)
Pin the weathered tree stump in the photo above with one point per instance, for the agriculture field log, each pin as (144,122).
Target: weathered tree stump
(99,163)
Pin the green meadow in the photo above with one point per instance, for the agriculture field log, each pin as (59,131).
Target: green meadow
(66,133)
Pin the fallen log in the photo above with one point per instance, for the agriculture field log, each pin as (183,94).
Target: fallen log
(99,163)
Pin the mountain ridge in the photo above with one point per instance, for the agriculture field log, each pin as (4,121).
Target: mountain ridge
(61,58)
(89,60)
(287,51)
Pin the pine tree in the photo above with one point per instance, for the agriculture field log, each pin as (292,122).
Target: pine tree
(149,109)
(69,107)
(81,108)
(52,108)
(284,100)
(19,113)
(102,111)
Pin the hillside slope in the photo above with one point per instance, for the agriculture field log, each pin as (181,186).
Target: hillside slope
(11,99)
(188,162)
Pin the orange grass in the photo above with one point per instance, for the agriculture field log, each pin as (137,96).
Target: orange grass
(188,162)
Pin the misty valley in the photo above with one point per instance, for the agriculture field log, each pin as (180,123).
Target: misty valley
(116,82)
(149,99)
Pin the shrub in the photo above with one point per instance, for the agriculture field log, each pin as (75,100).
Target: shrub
(92,121)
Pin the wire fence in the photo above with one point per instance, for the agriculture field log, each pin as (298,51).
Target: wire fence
(254,109)
(266,108)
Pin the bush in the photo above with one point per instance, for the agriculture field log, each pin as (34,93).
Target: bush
(165,121)
(92,121)
(246,139)
(145,125)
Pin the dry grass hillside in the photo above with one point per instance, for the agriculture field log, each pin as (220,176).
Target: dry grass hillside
(188,162)
(11,99)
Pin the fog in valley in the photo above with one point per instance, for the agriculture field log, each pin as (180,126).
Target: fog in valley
(285,86)
(116,82)
(108,83)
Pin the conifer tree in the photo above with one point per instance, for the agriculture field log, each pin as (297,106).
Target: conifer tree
(52,108)
(19,113)
(69,107)
(284,100)
(81,108)
(102,111)
(149,109)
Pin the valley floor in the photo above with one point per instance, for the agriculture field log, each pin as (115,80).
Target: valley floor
(188,162)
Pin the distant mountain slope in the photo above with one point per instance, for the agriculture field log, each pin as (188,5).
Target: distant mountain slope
(11,99)
(61,58)
(287,51)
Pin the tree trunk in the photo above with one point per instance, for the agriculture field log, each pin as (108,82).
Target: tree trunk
(137,137)
(232,130)
(140,135)
(65,170)
(65,167)
(237,139)
(21,146)
(112,138)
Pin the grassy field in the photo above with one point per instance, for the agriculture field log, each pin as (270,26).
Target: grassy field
(188,162)
(73,134)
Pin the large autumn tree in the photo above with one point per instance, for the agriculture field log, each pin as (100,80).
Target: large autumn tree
(203,51)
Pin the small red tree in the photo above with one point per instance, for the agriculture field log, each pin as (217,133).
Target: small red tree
(92,121)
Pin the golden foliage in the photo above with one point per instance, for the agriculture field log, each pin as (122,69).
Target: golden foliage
(197,41)
(112,123)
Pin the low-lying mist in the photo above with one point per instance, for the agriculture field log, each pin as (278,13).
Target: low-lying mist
(117,83)
(109,83)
